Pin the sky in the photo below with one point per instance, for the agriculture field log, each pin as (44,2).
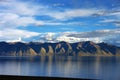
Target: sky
(60,20)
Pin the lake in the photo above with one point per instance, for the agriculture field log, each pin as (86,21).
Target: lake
(62,66)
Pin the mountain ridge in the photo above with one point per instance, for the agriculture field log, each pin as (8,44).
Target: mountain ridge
(85,48)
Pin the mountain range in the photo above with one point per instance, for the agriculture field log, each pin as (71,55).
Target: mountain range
(86,48)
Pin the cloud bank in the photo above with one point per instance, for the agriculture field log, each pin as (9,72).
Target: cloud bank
(95,36)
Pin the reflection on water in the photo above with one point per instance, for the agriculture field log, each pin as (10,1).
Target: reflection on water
(76,67)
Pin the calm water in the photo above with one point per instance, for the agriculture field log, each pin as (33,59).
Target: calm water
(75,67)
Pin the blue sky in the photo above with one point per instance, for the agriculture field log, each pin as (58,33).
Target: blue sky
(60,20)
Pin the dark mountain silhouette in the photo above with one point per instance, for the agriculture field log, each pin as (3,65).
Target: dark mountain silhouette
(86,48)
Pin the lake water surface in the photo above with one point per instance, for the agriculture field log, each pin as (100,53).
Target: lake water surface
(72,67)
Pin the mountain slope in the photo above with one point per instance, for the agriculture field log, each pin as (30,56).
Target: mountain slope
(86,48)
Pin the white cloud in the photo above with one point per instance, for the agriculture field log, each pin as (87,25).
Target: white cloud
(14,20)
(58,4)
(116,21)
(16,40)
(57,37)
(95,36)
(117,24)
(16,13)
(49,36)
(69,29)
(77,37)
(15,34)
(107,20)
(19,7)
(67,39)
(25,21)
(115,13)
(72,13)
(63,23)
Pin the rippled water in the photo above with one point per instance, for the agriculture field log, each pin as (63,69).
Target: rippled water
(73,67)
